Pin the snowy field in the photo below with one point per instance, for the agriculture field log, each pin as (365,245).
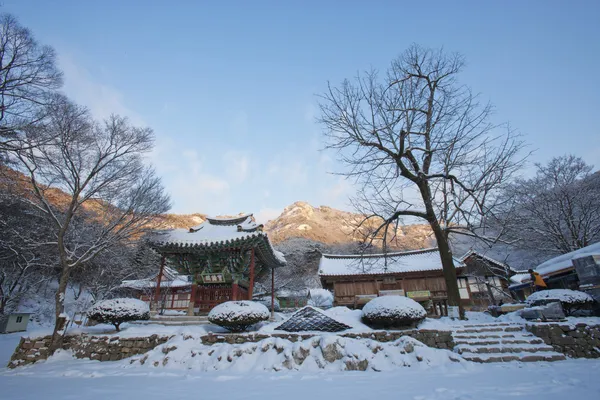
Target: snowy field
(65,378)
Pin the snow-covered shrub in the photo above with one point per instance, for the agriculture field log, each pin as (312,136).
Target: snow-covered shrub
(237,316)
(392,312)
(266,301)
(117,311)
(321,298)
(571,300)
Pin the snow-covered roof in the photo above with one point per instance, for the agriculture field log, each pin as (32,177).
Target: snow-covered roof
(565,261)
(373,264)
(220,232)
(520,277)
(170,279)
(484,257)
(212,231)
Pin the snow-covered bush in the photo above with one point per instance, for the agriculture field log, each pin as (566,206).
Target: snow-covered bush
(266,301)
(392,312)
(571,300)
(117,311)
(237,316)
(321,298)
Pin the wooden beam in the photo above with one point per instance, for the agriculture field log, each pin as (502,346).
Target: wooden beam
(159,280)
(273,294)
(251,284)
(234,291)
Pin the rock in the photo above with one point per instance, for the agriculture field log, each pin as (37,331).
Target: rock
(331,352)
(356,365)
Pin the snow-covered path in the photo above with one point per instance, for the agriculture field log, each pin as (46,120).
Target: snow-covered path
(559,380)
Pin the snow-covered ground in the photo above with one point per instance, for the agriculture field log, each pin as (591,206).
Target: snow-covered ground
(63,377)
(71,379)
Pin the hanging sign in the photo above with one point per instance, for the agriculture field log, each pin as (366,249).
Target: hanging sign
(213,278)
(419,294)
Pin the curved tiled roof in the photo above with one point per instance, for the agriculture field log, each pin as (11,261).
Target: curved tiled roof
(220,234)
(377,264)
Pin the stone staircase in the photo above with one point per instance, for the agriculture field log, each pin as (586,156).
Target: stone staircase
(501,342)
(175,320)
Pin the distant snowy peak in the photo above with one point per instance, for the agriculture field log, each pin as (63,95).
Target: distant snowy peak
(322,224)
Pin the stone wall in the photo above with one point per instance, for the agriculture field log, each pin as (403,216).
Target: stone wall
(577,341)
(112,348)
(101,348)
(431,338)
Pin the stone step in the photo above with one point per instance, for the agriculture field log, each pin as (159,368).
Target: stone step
(506,357)
(471,336)
(502,349)
(486,325)
(499,341)
(488,329)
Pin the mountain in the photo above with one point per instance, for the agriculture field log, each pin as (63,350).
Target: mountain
(323,224)
(335,227)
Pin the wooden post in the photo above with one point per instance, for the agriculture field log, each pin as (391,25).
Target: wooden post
(273,294)
(251,284)
(159,280)
(234,291)
(192,303)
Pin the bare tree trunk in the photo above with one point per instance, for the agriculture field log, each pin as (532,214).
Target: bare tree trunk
(448,267)
(59,324)
(490,293)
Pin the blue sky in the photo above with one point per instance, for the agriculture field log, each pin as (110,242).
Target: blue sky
(229,87)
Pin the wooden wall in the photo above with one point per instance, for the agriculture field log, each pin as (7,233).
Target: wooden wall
(346,288)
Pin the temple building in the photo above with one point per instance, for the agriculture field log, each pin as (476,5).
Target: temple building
(418,274)
(209,264)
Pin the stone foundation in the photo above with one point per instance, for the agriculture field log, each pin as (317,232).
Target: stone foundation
(113,348)
(431,338)
(101,348)
(576,341)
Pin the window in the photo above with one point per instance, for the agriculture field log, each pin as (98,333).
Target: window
(19,319)
(462,288)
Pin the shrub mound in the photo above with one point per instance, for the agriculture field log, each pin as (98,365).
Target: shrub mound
(237,316)
(117,311)
(321,298)
(571,300)
(392,312)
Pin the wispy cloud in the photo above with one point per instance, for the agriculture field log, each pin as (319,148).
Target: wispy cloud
(102,99)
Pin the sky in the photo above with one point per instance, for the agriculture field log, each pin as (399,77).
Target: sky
(231,87)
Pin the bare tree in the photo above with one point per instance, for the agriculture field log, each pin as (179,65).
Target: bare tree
(100,172)
(558,210)
(28,80)
(422,146)
(24,263)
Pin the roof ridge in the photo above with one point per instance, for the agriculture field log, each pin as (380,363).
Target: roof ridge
(379,255)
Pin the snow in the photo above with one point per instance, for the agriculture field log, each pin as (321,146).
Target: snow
(206,233)
(63,377)
(237,315)
(397,262)
(393,307)
(320,298)
(119,307)
(562,295)
(565,261)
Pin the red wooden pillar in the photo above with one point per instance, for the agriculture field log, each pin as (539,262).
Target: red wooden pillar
(251,284)
(273,293)
(159,280)
(234,291)
(192,303)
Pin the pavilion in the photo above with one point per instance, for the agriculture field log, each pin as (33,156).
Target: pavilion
(221,258)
